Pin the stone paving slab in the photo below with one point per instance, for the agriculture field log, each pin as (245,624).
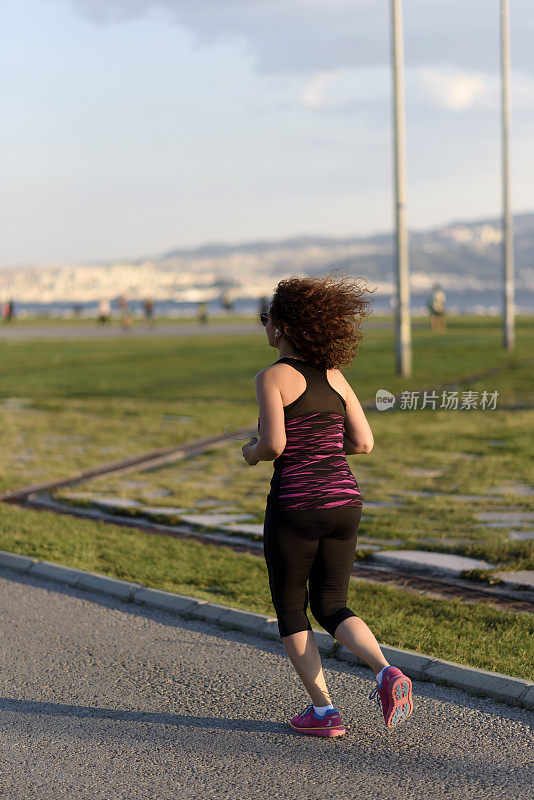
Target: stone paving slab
(471,498)
(133,484)
(506,688)
(215,520)
(251,528)
(461,498)
(165,510)
(105,502)
(53,438)
(523,536)
(419,472)
(120,503)
(524,577)
(442,540)
(208,502)
(377,540)
(499,524)
(17,402)
(80,495)
(505,516)
(116,502)
(381,504)
(439,563)
(217,534)
(521,489)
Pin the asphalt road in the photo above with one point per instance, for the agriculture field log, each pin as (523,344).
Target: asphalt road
(66,331)
(102,699)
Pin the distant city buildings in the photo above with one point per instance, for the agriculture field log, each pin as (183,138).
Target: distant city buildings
(226,274)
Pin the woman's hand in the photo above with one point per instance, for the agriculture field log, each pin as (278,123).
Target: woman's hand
(248,452)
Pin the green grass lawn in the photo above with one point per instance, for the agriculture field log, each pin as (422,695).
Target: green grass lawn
(222,477)
(83,403)
(125,396)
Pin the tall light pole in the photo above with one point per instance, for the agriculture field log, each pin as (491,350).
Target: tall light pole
(402,323)
(508,240)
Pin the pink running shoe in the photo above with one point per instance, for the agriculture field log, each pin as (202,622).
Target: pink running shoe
(311,723)
(395,692)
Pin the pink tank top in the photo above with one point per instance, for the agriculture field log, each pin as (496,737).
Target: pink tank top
(312,472)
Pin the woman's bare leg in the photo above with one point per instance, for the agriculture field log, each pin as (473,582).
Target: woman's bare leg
(359,639)
(302,650)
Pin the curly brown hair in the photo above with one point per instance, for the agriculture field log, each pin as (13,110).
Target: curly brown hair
(320,317)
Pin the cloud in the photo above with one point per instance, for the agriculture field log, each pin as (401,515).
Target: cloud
(322,36)
(454,89)
(346,89)
(103,11)
(459,90)
(314,94)
(441,87)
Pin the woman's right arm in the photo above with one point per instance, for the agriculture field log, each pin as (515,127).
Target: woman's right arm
(358,437)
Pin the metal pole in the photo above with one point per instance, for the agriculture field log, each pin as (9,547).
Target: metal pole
(402,323)
(508,242)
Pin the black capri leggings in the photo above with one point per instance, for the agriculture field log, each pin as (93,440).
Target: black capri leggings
(315,544)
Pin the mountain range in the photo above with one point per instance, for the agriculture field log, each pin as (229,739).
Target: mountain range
(457,255)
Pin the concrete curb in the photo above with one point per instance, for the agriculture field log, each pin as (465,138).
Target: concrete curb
(505,688)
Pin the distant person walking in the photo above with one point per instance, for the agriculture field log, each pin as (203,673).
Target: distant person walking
(436,307)
(104,312)
(227,301)
(148,306)
(202,313)
(126,314)
(310,419)
(8,311)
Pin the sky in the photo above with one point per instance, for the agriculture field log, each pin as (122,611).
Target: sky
(133,127)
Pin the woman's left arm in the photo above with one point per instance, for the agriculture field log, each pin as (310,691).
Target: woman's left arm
(272,438)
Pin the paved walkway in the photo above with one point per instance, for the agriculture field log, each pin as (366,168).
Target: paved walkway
(102,699)
(82,331)
(73,331)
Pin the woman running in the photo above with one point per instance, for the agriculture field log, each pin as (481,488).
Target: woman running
(310,419)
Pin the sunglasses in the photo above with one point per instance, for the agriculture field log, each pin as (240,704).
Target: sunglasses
(264,318)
